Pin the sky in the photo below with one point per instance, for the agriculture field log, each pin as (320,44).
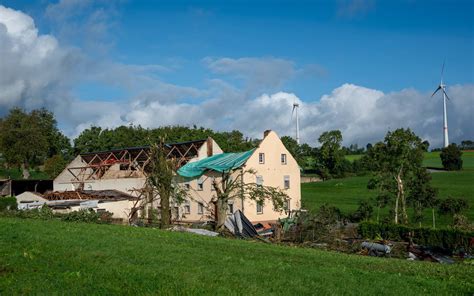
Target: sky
(361,66)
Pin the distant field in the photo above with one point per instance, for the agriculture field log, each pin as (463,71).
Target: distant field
(353,157)
(52,257)
(17,174)
(346,193)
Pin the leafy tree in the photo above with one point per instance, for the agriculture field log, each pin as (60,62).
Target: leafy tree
(422,195)
(330,154)
(231,186)
(54,165)
(426,145)
(451,157)
(27,139)
(467,145)
(454,207)
(397,162)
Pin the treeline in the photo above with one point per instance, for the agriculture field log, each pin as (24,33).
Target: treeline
(29,140)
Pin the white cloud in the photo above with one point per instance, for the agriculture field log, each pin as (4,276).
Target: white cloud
(37,71)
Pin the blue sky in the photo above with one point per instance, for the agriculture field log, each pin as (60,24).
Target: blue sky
(386,46)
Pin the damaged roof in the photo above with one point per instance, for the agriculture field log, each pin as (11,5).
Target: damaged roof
(110,194)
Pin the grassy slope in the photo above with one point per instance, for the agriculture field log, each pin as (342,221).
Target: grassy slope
(47,257)
(345,193)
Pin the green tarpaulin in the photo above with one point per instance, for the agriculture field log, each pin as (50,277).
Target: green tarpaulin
(219,163)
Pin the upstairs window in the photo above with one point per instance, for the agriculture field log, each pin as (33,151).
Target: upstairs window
(259,208)
(261,158)
(283,159)
(230,207)
(259,181)
(286,182)
(200,183)
(200,208)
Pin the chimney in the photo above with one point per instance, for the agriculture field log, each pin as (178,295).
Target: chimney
(210,152)
(265,133)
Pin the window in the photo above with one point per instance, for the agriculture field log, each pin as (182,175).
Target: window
(283,159)
(200,183)
(187,186)
(259,181)
(231,207)
(261,158)
(286,182)
(200,208)
(259,207)
(212,184)
(286,205)
(187,208)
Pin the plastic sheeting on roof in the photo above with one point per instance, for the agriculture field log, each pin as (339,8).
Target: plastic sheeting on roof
(219,163)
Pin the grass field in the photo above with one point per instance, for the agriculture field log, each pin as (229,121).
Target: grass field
(346,193)
(53,257)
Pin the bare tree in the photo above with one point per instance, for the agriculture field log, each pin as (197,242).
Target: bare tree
(231,186)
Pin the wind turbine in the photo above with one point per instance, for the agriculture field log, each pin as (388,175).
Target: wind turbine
(295,108)
(442,87)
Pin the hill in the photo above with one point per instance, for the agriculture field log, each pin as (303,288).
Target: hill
(346,193)
(53,257)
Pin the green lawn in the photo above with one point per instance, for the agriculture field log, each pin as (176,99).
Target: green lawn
(346,193)
(53,257)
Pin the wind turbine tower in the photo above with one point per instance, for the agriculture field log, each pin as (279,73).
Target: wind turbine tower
(296,106)
(442,87)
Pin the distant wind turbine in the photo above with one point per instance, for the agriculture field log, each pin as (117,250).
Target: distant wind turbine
(442,87)
(295,110)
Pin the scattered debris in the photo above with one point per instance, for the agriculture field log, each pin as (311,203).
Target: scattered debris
(376,249)
(428,254)
(265,229)
(194,230)
(240,226)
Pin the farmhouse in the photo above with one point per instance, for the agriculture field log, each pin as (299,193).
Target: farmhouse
(124,170)
(272,165)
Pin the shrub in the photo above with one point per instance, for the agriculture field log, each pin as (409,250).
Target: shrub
(87,216)
(8,203)
(451,158)
(448,239)
(363,212)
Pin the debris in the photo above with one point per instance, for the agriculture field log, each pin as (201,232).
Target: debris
(265,229)
(240,226)
(376,249)
(194,230)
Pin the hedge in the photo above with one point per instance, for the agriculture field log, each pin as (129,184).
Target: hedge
(8,203)
(448,239)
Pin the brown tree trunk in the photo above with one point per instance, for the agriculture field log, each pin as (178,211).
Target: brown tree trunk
(221,213)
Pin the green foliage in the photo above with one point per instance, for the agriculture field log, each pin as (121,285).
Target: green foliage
(451,158)
(449,239)
(452,206)
(29,138)
(330,155)
(363,212)
(86,216)
(98,139)
(54,165)
(50,257)
(8,203)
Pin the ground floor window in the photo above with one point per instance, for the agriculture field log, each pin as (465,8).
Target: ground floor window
(200,208)
(230,207)
(187,208)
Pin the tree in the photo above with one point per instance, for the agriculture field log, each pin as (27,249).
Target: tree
(330,154)
(426,145)
(422,195)
(27,139)
(54,165)
(453,207)
(231,186)
(162,181)
(397,162)
(451,158)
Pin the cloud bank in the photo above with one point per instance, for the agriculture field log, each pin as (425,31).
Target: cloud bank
(243,93)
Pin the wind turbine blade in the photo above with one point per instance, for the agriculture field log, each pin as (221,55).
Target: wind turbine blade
(439,87)
(446,95)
